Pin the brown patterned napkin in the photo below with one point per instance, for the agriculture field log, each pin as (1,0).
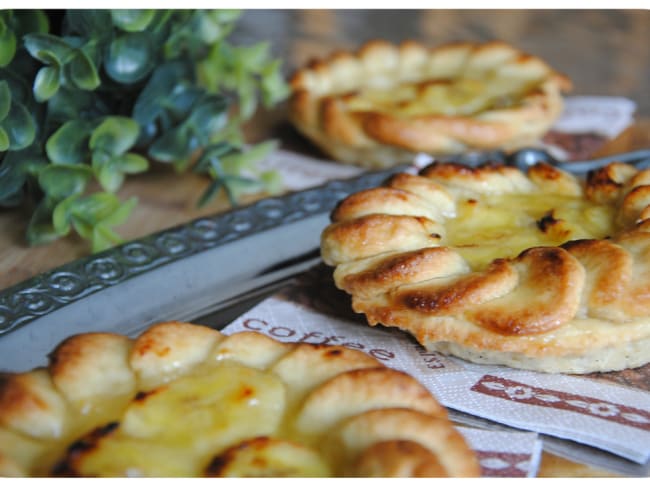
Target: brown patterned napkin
(501,454)
(505,454)
(583,409)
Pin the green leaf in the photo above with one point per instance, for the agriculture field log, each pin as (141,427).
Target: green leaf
(4,140)
(70,103)
(33,165)
(100,157)
(272,181)
(209,117)
(46,83)
(82,72)
(115,135)
(236,163)
(91,214)
(130,57)
(247,99)
(62,180)
(226,16)
(273,85)
(61,216)
(251,58)
(7,44)
(19,126)
(212,155)
(121,213)
(217,24)
(174,145)
(69,143)
(12,176)
(132,20)
(236,186)
(90,23)
(23,162)
(29,21)
(110,178)
(151,101)
(83,228)
(40,229)
(48,48)
(211,191)
(104,238)
(183,99)
(131,163)
(5,99)
(96,207)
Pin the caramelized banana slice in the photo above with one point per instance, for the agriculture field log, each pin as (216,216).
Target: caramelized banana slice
(217,407)
(266,457)
(184,400)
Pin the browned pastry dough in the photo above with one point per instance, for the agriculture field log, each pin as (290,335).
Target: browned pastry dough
(381,105)
(186,400)
(539,271)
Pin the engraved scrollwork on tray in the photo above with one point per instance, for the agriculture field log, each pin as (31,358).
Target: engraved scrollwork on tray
(45,293)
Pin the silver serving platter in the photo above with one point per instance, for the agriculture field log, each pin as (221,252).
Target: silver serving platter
(223,262)
(219,263)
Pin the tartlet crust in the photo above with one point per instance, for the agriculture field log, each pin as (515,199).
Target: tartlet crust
(507,99)
(341,407)
(578,306)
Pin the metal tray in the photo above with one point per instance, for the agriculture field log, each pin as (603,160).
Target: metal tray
(215,263)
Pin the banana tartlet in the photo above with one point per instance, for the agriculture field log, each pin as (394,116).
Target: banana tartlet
(383,104)
(184,400)
(536,270)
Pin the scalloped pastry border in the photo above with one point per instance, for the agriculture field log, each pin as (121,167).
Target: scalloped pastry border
(330,388)
(377,139)
(579,307)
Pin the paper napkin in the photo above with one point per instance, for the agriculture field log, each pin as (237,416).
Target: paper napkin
(501,454)
(601,414)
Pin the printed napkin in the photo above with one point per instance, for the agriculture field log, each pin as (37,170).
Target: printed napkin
(590,411)
(501,454)
(505,454)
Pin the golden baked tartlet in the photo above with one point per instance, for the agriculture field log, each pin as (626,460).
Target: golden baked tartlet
(538,271)
(185,400)
(383,104)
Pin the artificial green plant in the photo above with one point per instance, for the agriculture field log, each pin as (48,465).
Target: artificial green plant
(99,97)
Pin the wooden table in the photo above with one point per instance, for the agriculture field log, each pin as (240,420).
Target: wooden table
(604,52)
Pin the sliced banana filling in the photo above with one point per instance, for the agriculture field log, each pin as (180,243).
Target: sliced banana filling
(502,226)
(189,401)
(176,429)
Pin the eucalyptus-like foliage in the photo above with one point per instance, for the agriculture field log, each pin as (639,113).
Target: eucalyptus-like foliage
(113,90)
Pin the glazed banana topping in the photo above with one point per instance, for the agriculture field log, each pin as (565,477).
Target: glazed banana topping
(536,270)
(184,400)
(381,105)
(502,226)
(444,97)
